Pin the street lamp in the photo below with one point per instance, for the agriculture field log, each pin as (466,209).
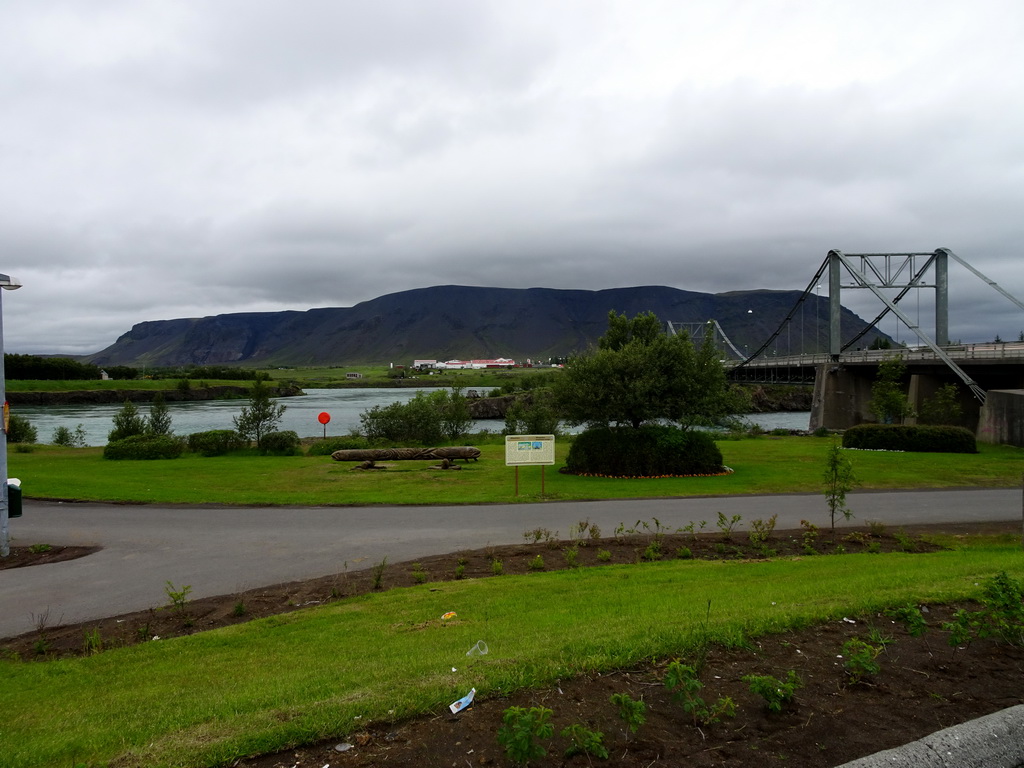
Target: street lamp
(8,283)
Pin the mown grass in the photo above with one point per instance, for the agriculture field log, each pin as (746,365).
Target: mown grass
(325,672)
(761,466)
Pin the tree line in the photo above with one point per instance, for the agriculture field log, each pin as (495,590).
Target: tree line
(38,368)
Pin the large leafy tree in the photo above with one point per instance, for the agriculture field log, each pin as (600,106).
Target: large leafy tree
(638,375)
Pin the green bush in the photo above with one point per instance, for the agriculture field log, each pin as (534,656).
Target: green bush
(331,444)
(650,451)
(285,443)
(128,422)
(533,415)
(69,439)
(427,419)
(21,430)
(144,447)
(904,437)
(215,442)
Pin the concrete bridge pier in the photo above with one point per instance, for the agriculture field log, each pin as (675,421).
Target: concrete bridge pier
(841,397)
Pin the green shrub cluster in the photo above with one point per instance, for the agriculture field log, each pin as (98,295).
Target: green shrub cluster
(425,420)
(331,444)
(144,447)
(21,430)
(284,443)
(215,442)
(650,451)
(903,437)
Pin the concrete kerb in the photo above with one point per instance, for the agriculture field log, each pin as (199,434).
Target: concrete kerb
(993,741)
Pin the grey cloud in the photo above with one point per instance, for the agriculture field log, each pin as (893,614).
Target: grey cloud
(192,158)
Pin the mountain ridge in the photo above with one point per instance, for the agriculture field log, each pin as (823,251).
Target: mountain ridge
(453,321)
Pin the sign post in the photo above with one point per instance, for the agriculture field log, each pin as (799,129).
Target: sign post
(324,418)
(531,451)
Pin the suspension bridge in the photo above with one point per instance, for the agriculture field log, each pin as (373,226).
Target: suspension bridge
(841,359)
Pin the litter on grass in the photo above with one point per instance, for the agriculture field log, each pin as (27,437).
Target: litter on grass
(464,703)
(478,650)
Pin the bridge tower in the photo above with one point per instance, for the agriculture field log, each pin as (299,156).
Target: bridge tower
(903,271)
(876,271)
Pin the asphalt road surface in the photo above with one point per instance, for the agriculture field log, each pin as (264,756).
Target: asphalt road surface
(220,550)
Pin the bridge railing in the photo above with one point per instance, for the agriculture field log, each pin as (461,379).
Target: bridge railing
(988,351)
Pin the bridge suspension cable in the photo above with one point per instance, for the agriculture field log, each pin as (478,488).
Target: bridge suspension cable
(792,313)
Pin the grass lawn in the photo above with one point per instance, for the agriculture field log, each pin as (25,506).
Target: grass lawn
(275,682)
(326,671)
(761,466)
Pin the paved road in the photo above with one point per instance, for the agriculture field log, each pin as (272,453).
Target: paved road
(219,550)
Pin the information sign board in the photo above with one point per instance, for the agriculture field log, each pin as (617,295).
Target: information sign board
(529,450)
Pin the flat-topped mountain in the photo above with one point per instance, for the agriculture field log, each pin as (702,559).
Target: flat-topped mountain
(452,321)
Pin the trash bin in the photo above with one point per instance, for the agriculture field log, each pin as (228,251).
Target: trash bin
(13,497)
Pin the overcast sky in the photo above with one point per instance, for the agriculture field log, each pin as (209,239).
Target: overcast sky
(187,158)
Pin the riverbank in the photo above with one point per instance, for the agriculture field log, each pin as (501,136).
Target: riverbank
(108,396)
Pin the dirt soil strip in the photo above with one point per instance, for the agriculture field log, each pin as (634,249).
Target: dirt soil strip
(923,684)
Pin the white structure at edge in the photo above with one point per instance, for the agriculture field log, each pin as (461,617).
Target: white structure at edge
(501,362)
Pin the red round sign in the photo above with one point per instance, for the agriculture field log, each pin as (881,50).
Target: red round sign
(324,417)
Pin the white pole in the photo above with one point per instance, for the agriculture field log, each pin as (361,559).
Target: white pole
(5,542)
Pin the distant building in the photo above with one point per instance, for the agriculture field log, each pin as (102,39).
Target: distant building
(475,365)
(501,362)
(353,375)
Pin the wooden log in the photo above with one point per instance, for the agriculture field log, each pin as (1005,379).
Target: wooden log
(464,452)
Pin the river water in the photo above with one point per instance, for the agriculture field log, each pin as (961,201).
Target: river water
(300,415)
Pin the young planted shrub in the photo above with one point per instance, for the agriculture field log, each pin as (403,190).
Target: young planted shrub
(521,730)
(632,711)
(144,447)
(583,741)
(860,660)
(215,442)
(775,692)
(1001,615)
(684,686)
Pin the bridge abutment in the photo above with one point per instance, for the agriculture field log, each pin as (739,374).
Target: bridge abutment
(1002,417)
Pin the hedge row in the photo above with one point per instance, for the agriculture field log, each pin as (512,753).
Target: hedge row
(650,451)
(902,437)
(214,442)
(144,447)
